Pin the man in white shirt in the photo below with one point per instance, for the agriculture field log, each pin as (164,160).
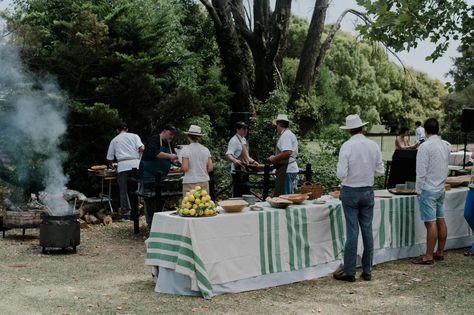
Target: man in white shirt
(126,148)
(419,132)
(238,154)
(431,172)
(360,160)
(285,156)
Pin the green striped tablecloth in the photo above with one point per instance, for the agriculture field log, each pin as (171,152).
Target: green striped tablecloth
(235,246)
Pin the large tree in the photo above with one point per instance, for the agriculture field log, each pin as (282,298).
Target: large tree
(252,42)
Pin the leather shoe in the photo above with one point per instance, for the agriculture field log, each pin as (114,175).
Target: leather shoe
(366,276)
(343,277)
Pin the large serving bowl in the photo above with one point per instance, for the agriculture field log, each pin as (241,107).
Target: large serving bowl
(277,202)
(233,205)
(295,198)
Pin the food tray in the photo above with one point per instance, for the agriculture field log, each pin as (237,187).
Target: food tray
(455,181)
(190,216)
(395,192)
(295,198)
(278,204)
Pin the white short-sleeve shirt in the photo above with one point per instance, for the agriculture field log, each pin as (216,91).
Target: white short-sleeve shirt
(125,148)
(198,156)
(288,141)
(235,148)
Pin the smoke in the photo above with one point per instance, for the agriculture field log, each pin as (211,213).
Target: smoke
(32,124)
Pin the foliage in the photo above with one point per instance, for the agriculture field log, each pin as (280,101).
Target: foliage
(401,24)
(324,170)
(297,31)
(358,77)
(262,131)
(463,68)
(331,139)
(148,62)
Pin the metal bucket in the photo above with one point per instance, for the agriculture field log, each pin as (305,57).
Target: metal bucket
(60,232)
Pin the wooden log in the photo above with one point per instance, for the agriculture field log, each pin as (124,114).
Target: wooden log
(93,219)
(100,215)
(87,218)
(107,220)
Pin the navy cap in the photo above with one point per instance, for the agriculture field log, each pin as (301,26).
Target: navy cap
(240,125)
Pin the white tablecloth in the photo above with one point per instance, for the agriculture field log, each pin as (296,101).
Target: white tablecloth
(235,252)
(456,158)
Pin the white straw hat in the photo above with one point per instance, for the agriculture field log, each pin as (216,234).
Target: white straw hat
(194,130)
(353,122)
(280,117)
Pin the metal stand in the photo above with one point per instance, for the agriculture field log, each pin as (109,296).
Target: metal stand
(103,198)
(106,197)
(465,148)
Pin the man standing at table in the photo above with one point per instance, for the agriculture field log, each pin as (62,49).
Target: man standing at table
(238,154)
(284,158)
(431,173)
(126,148)
(157,157)
(360,160)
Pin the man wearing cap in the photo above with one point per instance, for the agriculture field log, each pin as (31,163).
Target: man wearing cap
(157,157)
(126,148)
(238,154)
(360,160)
(284,158)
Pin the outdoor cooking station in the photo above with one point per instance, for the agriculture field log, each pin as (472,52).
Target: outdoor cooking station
(58,228)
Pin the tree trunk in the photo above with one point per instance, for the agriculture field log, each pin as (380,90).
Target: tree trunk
(270,33)
(255,75)
(311,50)
(233,56)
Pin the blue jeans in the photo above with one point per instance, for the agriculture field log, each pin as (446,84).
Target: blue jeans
(358,205)
(291,183)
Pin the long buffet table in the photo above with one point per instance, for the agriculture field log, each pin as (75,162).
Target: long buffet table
(235,252)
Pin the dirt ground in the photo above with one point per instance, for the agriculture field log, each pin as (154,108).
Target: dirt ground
(107,275)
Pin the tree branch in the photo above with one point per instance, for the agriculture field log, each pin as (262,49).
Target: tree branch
(238,12)
(334,30)
(336,26)
(212,13)
(280,24)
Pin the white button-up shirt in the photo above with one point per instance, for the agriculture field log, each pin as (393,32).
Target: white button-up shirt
(359,161)
(432,164)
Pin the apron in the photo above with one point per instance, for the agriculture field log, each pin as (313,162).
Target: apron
(242,177)
(244,155)
(280,168)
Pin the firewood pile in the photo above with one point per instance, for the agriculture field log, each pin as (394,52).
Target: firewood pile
(89,213)
(93,213)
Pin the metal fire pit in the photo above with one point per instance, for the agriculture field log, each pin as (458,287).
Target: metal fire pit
(60,232)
